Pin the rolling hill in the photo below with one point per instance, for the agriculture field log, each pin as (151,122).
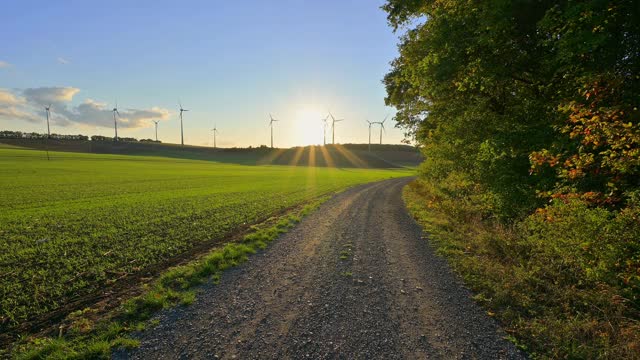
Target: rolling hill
(348,155)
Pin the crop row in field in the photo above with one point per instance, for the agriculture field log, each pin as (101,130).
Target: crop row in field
(79,222)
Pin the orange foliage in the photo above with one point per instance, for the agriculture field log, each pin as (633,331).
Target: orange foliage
(602,142)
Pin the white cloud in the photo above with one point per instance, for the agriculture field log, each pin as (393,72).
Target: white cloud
(50,95)
(11,112)
(7,98)
(4,64)
(92,112)
(12,107)
(29,107)
(63,61)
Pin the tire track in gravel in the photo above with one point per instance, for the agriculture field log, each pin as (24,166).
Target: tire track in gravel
(354,280)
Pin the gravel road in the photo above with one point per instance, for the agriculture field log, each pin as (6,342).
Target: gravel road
(354,280)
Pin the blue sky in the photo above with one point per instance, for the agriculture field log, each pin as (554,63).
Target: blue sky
(230,63)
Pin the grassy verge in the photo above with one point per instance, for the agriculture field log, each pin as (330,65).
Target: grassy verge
(563,282)
(84,336)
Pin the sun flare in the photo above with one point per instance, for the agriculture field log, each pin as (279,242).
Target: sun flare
(308,127)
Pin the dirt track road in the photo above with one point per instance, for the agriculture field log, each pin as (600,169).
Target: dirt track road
(355,280)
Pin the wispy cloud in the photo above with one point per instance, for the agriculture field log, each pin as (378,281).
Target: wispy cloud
(28,105)
(48,95)
(92,112)
(14,113)
(63,61)
(7,98)
(11,107)
(4,64)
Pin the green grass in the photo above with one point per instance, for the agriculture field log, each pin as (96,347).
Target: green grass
(84,336)
(76,224)
(345,253)
(8,146)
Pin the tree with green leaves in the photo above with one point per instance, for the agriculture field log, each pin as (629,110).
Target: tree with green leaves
(490,89)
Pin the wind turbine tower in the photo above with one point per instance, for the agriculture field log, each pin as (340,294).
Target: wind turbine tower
(324,129)
(215,131)
(181,127)
(333,127)
(370,124)
(156,124)
(48,110)
(115,120)
(271,125)
(382,128)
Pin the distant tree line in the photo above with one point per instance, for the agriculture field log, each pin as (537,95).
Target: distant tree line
(6,134)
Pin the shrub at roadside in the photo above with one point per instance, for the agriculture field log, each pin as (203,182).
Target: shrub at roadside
(565,281)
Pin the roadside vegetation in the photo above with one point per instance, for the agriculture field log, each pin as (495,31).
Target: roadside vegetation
(80,223)
(527,115)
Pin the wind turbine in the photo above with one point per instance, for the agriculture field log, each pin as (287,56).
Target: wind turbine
(324,129)
(333,127)
(156,122)
(215,131)
(382,128)
(48,110)
(115,120)
(181,128)
(271,125)
(370,124)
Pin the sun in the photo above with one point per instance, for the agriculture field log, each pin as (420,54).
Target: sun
(308,127)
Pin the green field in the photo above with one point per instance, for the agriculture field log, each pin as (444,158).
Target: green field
(74,224)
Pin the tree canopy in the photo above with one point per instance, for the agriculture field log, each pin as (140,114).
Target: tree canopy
(522,100)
